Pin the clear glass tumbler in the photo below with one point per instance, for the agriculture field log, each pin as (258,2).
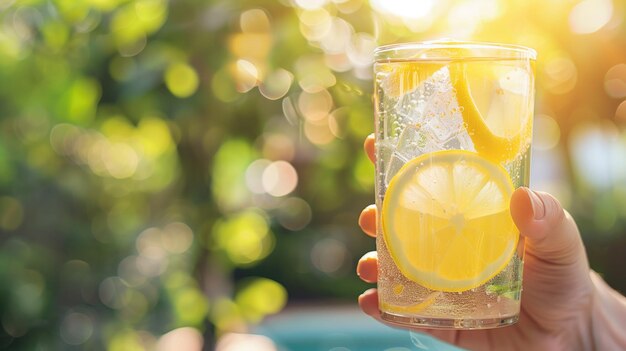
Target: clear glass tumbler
(453,127)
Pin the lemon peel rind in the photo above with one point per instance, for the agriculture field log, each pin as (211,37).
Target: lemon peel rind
(486,143)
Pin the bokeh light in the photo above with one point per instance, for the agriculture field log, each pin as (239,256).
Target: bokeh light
(246,75)
(177,237)
(76,328)
(181,79)
(294,214)
(128,270)
(620,113)
(313,75)
(315,24)
(259,297)
(279,178)
(276,84)
(254,21)
(310,4)
(254,175)
(546,133)
(615,81)
(335,42)
(113,292)
(560,74)
(315,106)
(152,260)
(597,152)
(329,255)
(227,316)
(231,161)
(245,237)
(589,16)
(239,341)
(407,9)
(278,146)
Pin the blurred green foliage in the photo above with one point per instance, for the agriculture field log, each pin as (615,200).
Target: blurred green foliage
(166,164)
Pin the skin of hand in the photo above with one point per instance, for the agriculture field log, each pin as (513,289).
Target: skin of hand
(564,305)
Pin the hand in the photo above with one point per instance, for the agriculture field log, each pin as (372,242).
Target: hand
(558,291)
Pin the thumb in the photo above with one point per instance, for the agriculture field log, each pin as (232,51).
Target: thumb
(551,233)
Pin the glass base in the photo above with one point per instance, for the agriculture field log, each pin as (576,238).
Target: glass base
(448,323)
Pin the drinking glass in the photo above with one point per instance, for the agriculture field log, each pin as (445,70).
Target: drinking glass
(453,127)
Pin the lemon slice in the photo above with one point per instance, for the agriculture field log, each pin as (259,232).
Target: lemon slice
(446,220)
(496,107)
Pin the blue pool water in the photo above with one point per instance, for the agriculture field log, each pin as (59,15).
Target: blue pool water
(341,329)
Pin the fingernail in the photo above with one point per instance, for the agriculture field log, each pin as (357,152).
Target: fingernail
(365,218)
(369,256)
(360,297)
(367,292)
(372,255)
(539,210)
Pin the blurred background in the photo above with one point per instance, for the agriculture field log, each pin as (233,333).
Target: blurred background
(172,171)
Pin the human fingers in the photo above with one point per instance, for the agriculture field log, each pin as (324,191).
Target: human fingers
(367,268)
(367,220)
(368,301)
(550,231)
(556,269)
(368,146)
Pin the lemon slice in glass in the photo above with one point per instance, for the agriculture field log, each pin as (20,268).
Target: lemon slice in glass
(496,107)
(446,220)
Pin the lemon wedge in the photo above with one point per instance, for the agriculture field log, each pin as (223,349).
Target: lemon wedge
(496,106)
(446,220)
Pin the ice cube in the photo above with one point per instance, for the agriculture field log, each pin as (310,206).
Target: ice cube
(444,128)
(461,141)
(412,142)
(434,97)
(425,120)
(410,107)
(416,140)
(396,162)
(430,97)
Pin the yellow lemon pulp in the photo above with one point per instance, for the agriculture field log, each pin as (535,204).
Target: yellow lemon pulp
(496,107)
(446,220)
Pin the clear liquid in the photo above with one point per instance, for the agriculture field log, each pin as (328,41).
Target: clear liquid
(403,116)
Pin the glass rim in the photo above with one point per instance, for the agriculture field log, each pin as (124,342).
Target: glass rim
(454,44)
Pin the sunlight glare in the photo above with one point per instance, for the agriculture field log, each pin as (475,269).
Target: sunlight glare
(412,9)
(589,16)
